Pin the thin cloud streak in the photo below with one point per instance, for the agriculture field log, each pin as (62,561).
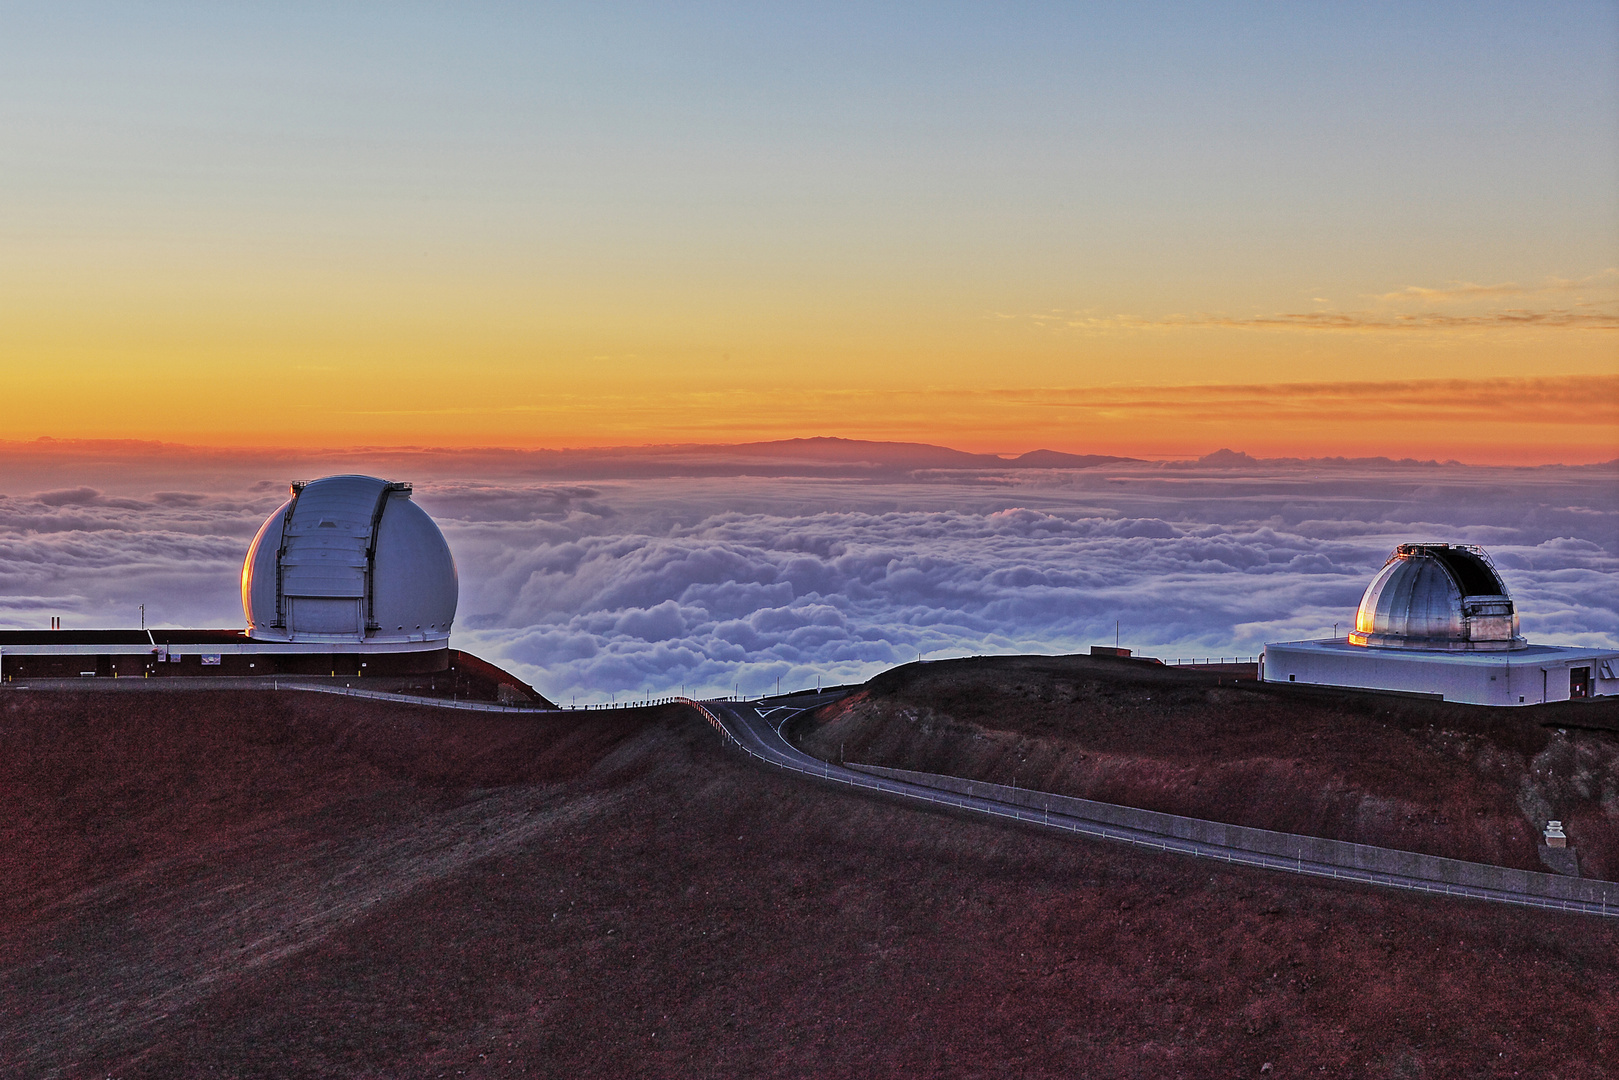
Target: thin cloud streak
(1466,291)
(1582,314)
(1590,400)
(1517,318)
(1584,317)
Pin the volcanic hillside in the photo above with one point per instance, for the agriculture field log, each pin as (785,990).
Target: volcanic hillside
(259,884)
(1463,781)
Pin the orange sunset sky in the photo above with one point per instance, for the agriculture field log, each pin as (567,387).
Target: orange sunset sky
(1290,230)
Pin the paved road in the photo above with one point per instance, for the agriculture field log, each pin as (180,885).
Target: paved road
(756,728)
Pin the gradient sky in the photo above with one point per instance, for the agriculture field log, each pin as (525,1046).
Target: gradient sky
(1154,230)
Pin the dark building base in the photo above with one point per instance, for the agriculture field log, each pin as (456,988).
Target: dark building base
(178,654)
(102,665)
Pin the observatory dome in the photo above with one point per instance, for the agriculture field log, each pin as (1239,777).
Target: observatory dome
(1438,597)
(349,558)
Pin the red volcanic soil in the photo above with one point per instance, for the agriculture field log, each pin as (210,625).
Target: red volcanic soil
(259,884)
(1463,781)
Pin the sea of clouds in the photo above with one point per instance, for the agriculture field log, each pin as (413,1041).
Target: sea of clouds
(613,588)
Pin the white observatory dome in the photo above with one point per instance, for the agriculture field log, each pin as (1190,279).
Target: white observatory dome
(349,558)
(1438,597)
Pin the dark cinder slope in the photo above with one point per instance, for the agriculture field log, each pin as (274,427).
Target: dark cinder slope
(259,885)
(1461,781)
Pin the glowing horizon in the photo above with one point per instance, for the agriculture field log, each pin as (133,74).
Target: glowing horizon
(1146,233)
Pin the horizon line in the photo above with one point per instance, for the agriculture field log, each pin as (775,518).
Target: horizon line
(1220,456)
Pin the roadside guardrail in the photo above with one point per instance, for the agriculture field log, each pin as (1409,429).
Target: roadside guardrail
(1606,904)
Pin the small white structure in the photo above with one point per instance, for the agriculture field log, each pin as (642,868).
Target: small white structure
(349,558)
(1437,619)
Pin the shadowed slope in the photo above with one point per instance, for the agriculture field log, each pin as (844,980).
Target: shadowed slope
(1461,781)
(331,888)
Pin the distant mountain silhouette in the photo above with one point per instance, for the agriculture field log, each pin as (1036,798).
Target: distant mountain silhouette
(1056,459)
(1224,456)
(819,456)
(850,451)
(913,455)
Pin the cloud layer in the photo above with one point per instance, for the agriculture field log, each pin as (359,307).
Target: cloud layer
(630,588)
(619,587)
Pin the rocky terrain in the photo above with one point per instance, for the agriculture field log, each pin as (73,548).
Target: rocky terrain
(258,884)
(1463,781)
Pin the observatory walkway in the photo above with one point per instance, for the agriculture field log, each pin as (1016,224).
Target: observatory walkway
(270,682)
(756,728)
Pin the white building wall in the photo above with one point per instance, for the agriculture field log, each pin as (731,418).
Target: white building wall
(1529,676)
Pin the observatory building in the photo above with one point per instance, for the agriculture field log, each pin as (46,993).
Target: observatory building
(348,577)
(1438,620)
(350,559)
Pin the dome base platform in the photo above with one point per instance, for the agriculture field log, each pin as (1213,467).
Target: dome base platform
(1527,675)
(162,653)
(429,668)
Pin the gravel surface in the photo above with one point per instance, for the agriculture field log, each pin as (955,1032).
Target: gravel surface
(1462,781)
(260,885)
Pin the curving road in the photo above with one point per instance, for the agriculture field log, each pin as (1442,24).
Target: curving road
(755,727)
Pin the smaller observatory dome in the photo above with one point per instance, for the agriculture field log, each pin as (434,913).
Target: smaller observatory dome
(349,558)
(1445,597)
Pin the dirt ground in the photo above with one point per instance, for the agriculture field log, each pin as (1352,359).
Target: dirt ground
(1463,781)
(240,884)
